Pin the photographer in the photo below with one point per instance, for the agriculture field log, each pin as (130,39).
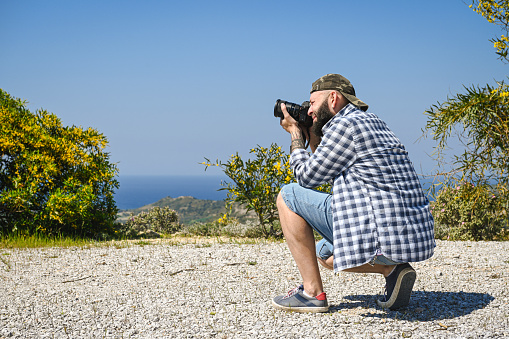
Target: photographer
(377,219)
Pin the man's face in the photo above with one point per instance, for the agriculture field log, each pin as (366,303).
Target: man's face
(319,111)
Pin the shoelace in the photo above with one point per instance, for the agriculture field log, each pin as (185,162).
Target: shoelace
(293,291)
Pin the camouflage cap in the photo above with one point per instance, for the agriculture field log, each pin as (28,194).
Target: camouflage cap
(342,85)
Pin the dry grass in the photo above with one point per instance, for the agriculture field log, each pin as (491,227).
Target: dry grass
(41,241)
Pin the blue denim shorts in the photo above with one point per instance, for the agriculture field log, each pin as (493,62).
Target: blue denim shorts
(316,208)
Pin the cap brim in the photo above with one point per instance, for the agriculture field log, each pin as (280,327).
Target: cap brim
(356,101)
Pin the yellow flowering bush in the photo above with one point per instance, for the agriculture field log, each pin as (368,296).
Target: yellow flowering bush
(257,182)
(496,12)
(53,178)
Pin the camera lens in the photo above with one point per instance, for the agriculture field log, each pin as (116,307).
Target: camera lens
(299,113)
(277,108)
(291,108)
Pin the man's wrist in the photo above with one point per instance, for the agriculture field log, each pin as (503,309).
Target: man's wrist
(296,144)
(297,141)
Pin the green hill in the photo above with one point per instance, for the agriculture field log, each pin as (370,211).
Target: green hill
(192,210)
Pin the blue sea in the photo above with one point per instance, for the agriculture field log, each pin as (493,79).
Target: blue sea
(137,191)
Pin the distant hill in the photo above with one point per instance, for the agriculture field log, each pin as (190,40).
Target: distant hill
(192,210)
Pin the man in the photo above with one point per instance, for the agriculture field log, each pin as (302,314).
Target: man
(377,219)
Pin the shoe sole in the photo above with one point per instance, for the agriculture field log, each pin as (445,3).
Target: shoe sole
(312,309)
(401,294)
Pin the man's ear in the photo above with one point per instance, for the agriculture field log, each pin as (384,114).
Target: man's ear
(338,101)
(335,102)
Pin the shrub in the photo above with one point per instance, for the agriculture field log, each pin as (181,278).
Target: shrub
(496,12)
(228,228)
(468,212)
(477,119)
(157,219)
(257,182)
(53,179)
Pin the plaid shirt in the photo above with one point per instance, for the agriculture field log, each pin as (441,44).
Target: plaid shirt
(378,204)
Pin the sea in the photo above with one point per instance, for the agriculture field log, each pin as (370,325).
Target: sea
(136,190)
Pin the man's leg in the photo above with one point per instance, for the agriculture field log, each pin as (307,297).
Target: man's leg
(385,270)
(399,277)
(300,210)
(328,264)
(301,242)
(324,254)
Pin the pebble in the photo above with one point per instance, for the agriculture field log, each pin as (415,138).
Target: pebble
(224,290)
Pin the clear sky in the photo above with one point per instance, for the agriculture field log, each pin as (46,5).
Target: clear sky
(172,82)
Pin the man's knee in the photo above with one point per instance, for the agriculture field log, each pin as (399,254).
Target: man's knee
(280,202)
(286,190)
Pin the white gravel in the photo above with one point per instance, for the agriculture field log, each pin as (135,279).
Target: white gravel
(224,290)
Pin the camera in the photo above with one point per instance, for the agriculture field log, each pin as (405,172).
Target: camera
(298,112)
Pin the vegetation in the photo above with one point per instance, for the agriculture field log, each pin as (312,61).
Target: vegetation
(191,210)
(227,228)
(468,219)
(256,184)
(56,182)
(206,219)
(473,200)
(496,12)
(157,220)
(41,240)
(53,179)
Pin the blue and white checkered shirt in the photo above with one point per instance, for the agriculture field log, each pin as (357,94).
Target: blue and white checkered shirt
(378,203)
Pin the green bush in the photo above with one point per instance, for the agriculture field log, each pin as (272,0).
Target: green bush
(157,219)
(53,179)
(229,228)
(478,121)
(256,184)
(468,212)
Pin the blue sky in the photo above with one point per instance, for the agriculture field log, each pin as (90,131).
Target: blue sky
(170,83)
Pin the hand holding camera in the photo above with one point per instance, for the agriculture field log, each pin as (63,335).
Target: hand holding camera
(300,114)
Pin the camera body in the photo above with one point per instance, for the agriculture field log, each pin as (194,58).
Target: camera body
(298,112)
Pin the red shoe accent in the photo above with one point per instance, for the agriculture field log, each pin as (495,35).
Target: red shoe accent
(321,296)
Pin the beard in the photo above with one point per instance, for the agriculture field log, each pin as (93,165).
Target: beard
(323,115)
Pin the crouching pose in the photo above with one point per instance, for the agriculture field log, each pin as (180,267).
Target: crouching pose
(377,219)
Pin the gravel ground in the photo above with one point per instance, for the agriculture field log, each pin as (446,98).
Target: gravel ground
(224,290)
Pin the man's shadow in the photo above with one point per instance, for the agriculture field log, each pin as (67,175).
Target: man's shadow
(424,305)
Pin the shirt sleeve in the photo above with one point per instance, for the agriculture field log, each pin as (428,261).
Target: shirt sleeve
(334,154)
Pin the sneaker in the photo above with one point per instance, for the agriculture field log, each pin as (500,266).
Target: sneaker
(398,287)
(296,301)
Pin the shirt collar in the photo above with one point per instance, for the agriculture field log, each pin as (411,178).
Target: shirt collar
(347,109)
(344,111)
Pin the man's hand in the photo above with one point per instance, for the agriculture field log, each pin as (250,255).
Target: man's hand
(292,126)
(288,122)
